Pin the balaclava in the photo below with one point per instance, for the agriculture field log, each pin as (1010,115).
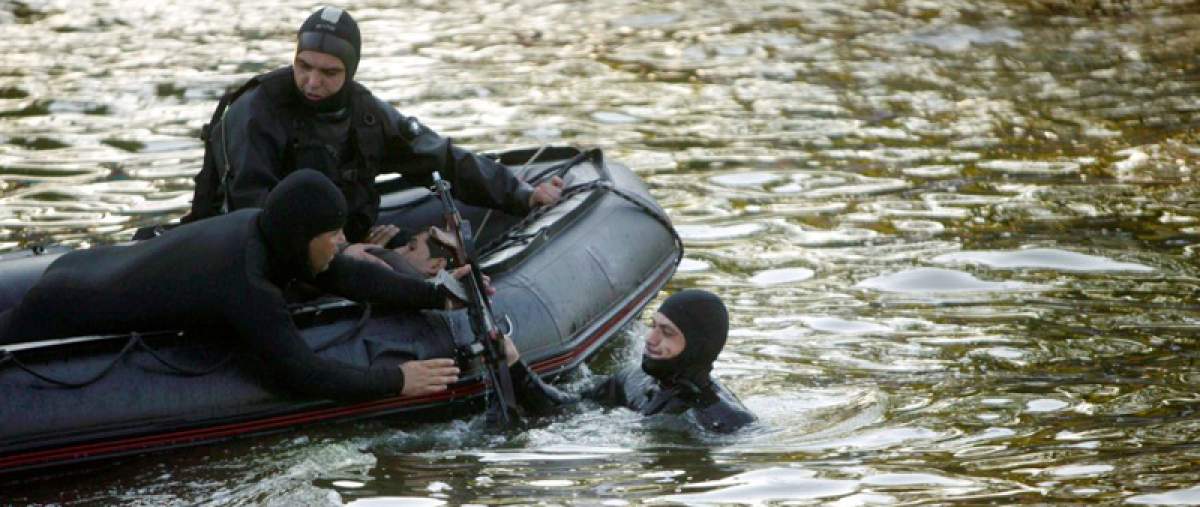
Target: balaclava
(704,321)
(332,31)
(301,207)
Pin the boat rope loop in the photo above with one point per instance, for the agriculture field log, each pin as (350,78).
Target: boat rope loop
(135,341)
(517,238)
(561,168)
(184,371)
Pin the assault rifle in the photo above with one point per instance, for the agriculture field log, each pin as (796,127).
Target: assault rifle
(488,345)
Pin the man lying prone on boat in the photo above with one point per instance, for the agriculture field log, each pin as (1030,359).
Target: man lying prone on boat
(229,273)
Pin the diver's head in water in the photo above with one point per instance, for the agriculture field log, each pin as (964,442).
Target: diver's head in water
(302,222)
(328,47)
(688,333)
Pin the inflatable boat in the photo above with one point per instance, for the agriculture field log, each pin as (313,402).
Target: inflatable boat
(567,279)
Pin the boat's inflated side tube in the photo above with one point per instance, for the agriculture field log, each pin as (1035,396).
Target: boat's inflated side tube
(20,274)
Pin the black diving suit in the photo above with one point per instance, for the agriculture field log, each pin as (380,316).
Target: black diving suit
(228,272)
(714,407)
(270,129)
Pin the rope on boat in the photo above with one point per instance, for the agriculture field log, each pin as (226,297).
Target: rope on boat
(135,340)
(184,371)
(561,168)
(513,237)
(9,357)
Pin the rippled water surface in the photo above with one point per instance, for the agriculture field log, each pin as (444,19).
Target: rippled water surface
(958,238)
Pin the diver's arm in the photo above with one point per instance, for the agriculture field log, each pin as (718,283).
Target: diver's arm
(372,283)
(417,151)
(265,327)
(608,391)
(534,395)
(253,149)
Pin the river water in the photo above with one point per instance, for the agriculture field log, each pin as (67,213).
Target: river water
(958,239)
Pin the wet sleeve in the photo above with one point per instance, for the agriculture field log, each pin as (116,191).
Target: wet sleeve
(534,395)
(608,392)
(368,282)
(417,151)
(398,263)
(254,147)
(264,326)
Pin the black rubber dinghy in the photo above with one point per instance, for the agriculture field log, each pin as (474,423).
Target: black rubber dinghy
(568,278)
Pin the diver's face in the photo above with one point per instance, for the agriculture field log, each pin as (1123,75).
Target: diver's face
(665,340)
(318,75)
(323,248)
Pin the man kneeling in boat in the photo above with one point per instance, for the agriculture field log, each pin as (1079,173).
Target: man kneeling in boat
(230,272)
(314,114)
(687,334)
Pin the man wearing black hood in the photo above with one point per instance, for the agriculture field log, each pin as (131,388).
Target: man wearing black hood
(686,336)
(228,273)
(313,114)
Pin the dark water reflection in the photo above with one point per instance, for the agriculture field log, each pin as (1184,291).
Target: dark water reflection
(958,238)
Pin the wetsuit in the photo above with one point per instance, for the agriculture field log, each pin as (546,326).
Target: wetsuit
(272,129)
(713,406)
(681,385)
(227,272)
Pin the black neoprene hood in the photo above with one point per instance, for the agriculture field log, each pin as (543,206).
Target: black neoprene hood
(301,207)
(702,318)
(332,31)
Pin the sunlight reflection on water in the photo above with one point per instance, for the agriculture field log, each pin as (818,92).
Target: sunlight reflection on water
(957,238)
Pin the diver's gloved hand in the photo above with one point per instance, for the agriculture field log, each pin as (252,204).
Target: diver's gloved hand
(665,401)
(493,415)
(534,395)
(682,394)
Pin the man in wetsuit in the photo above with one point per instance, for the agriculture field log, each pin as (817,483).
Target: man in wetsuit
(229,273)
(314,114)
(687,335)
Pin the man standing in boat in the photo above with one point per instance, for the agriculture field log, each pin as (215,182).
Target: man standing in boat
(228,274)
(675,375)
(314,114)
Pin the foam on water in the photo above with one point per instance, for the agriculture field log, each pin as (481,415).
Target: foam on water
(748,179)
(842,326)
(766,485)
(1080,470)
(1030,167)
(1045,405)
(1185,496)
(719,232)
(781,276)
(958,38)
(1040,258)
(937,280)
(395,501)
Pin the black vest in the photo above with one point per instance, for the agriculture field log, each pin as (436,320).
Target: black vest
(351,164)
